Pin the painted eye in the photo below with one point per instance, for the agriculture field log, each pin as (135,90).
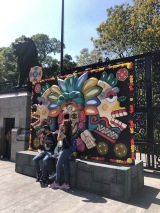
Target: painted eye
(74,116)
(41,100)
(40,103)
(111,96)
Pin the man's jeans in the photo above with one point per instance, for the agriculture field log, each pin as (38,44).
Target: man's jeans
(63,160)
(45,155)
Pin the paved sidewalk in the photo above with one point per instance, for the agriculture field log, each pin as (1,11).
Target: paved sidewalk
(21,194)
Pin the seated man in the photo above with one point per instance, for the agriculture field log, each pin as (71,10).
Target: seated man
(49,144)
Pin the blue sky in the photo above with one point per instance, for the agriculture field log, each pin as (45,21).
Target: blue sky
(29,17)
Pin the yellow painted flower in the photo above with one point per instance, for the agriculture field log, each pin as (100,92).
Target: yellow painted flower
(129,160)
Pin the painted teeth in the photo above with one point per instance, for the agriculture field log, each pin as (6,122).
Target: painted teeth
(35,116)
(118,123)
(35,123)
(37,120)
(119,113)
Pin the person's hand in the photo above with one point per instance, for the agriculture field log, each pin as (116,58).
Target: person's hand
(55,155)
(61,127)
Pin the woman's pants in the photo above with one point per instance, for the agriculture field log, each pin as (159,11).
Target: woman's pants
(63,160)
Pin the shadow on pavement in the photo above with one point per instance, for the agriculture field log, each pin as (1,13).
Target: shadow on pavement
(145,197)
(88,197)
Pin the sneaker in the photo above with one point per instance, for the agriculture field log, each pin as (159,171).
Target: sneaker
(65,186)
(54,185)
(51,176)
(45,180)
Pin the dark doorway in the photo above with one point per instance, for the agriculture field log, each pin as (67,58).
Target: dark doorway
(9,124)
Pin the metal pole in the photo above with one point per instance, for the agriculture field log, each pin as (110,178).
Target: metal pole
(62,35)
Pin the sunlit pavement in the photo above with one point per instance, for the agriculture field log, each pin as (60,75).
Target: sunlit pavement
(21,194)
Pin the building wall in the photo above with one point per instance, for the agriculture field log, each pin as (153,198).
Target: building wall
(14,105)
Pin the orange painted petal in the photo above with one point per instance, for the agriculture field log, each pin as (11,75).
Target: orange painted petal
(54,113)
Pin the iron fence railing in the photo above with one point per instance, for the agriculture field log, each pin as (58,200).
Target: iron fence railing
(149,153)
(6,86)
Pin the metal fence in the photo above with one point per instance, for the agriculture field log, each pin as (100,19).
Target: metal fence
(147,105)
(6,86)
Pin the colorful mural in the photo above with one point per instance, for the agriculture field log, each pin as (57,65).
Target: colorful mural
(100,105)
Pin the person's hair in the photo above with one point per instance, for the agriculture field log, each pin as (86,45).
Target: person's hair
(68,128)
(46,127)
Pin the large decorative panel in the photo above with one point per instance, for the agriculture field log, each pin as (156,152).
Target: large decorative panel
(100,104)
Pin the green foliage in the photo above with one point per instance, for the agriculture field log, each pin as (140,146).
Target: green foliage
(8,65)
(21,38)
(2,68)
(130,30)
(87,57)
(68,62)
(45,47)
(146,21)
(53,68)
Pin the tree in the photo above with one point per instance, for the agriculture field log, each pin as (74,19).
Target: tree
(8,65)
(130,30)
(53,68)
(2,68)
(145,21)
(68,62)
(45,47)
(87,57)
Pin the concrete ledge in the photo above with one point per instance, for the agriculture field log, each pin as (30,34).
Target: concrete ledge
(118,182)
(24,164)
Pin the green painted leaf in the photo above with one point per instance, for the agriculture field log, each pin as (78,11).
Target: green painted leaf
(52,97)
(92,92)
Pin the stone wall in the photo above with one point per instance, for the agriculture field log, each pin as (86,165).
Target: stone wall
(118,182)
(15,105)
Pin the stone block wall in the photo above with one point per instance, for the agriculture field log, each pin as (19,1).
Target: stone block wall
(114,181)
(117,182)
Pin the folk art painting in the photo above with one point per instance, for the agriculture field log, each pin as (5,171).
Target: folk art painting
(100,104)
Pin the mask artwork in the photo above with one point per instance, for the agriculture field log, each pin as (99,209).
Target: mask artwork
(98,106)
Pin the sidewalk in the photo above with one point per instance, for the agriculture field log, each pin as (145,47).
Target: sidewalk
(21,194)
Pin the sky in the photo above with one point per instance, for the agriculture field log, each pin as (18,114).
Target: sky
(30,17)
